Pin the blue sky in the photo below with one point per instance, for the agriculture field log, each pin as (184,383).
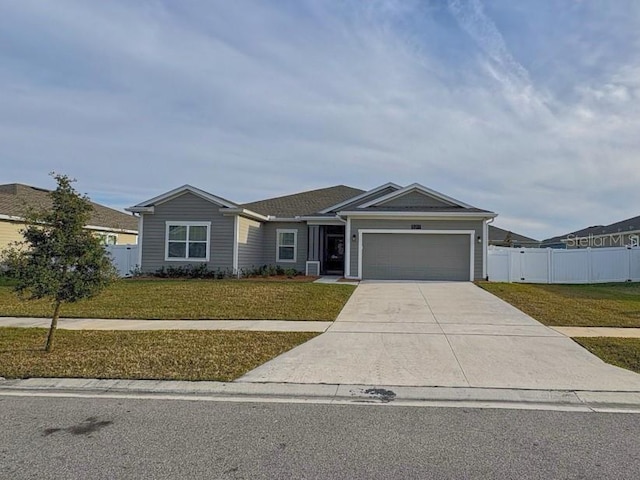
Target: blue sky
(530,108)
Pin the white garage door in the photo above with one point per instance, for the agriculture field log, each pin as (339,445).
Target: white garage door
(416,256)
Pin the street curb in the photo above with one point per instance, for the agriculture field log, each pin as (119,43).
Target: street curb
(567,400)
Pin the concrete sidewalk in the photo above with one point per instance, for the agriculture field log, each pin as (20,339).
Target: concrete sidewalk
(276,326)
(109,324)
(441,335)
(564,400)
(620,332)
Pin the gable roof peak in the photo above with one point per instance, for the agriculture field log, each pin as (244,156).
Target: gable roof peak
(361,195)
(420,188)
(186,188)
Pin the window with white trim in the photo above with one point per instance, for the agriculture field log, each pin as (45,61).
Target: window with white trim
(187,241)
(286,245)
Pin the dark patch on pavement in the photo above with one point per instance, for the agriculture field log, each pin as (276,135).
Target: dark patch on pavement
(382,394)
(90,425)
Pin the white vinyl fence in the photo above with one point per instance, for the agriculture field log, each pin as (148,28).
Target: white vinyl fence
(124,257)
(538,265)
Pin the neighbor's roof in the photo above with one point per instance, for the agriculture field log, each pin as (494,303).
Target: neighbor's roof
(628,225)
(497,234)
(15,197)
(305,203)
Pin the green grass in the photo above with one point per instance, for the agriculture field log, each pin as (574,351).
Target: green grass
(602,305)
(623,352)
(167,355)
(6,281)
(195,299)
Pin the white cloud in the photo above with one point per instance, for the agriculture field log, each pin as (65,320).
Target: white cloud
(249,99)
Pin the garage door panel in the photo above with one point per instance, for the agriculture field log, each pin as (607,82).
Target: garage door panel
(403,256)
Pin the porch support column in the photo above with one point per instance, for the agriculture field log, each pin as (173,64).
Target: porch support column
(314,243)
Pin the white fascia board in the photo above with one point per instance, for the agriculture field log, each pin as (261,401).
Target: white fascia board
(360,196)
(419,188)
(243,212)
(271,218)
(109,229)
(322,220)
(88,227)
(184,189)
(137,209)
(419,215)
(12,218)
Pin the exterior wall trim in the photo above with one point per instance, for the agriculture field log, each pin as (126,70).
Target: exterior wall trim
(236,243)
(471,234)
(347,249)
(140,239)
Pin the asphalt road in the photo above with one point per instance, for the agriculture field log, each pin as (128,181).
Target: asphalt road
(92,438)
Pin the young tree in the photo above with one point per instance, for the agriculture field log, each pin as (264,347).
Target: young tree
(59,259)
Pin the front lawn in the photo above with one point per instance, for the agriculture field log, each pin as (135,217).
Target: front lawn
(601,305)
(166,355)
(196,299)
(623,352)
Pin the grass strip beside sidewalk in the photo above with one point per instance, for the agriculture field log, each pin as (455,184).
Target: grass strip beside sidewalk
(158,355)
(599,305)
(622,352)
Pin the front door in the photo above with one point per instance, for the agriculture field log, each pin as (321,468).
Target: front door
(334,254)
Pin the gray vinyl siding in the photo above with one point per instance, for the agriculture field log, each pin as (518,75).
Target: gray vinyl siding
(187,208)
(270,243)
(415,199)
(250,244)
(476,225)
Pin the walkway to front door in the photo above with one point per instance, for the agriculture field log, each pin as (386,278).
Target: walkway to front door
(441,334)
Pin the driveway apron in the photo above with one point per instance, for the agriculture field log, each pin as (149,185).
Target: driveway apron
(449,334)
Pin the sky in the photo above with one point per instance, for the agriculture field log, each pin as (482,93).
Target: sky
(530,109)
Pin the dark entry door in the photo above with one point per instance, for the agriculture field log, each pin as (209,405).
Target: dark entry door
(334,254)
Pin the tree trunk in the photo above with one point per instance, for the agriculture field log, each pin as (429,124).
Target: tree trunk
(54,324)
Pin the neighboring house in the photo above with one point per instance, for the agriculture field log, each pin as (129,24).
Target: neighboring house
(620,234)
(389,232)
(114,227)
(505,238)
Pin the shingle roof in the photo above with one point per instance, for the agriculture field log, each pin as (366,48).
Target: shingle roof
(498,235)
(14,197)
(305,203)
(630,224)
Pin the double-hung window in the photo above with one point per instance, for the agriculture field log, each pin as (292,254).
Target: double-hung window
(287,245)
(187,241)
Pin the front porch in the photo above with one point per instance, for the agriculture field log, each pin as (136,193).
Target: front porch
(326,253)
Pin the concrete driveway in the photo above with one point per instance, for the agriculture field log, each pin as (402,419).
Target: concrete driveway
(441,334)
